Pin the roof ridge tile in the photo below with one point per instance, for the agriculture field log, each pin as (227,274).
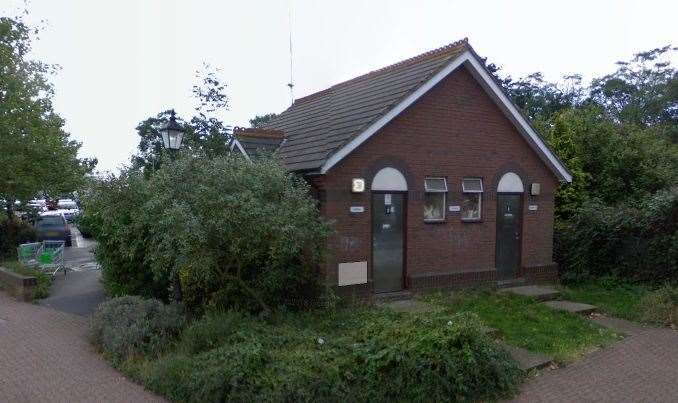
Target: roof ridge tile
(462,43)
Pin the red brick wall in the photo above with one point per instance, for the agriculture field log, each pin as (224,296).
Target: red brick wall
(455,131)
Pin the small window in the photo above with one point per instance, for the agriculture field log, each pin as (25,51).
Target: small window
(472,189)
(434,199)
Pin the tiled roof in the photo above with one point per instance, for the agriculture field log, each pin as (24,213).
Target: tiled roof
(319,124)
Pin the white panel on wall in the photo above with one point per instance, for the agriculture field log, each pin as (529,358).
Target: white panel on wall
(352,273)
(510,183)
(389,179)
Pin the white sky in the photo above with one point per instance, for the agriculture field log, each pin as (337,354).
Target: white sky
(126,60)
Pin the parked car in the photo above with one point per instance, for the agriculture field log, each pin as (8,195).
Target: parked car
(69,208)
(52,226)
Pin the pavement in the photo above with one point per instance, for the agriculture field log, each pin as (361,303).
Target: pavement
(44,352)
(643,367)
(78,290)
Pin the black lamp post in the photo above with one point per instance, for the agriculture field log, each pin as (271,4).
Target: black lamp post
(172,136)
(172,133)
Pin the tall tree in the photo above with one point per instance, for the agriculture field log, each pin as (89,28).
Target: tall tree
(37,154)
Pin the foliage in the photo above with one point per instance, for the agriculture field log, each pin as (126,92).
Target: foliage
(114,208)
(14,232)
(262,120)
(37,154)
(605,163)
(642,91)
(631,241)
(525,323)
(86,225)
(127,326)
(240,234)
(357,354)
(43,279)
(661,306)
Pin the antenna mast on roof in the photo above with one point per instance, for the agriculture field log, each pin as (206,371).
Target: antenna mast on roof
(291,83)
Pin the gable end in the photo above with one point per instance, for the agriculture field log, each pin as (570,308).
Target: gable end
(471,62)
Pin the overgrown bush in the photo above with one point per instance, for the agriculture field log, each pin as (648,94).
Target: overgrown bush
(115,207)
(661,306)
(631,241)
(127,326)
(356,356)
(14,232)
(86,225)
(239,234)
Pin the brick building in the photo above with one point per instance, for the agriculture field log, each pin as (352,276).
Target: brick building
(430,176)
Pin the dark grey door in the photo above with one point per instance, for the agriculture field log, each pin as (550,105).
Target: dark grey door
(509,226)
(387,241)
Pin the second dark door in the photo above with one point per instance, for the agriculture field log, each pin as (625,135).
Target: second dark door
(387,241)
(509,227)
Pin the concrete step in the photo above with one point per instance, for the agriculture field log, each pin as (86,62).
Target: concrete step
(571,307)
(540,293)
(527,359)
(393,296)
(512,282)
(406,305)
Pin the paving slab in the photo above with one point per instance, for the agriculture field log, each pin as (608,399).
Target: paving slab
(571,307)
(407,305)
(527,359)
(538,292)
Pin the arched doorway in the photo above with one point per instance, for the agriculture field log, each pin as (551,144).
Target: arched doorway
(509,225)
(389,201)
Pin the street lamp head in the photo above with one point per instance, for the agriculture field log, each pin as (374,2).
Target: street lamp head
(172,133)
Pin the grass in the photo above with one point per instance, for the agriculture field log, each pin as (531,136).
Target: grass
(635,302)
(523,322)
(44,280)
(612,298)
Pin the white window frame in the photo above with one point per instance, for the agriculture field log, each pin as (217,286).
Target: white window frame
(480,198)
(444,192)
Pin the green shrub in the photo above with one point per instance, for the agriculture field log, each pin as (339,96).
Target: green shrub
(127,326)
(630,241)
(211,331)
(359,355)
(430,358)
(661,306)
(240,235)
(114,207)
(13,233)
(86,225)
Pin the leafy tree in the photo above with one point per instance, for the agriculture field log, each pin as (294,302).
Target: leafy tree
(261,120)
(642,91)
(608,162)
(37,154)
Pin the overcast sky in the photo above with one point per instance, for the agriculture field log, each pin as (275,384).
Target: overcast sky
(125,60)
